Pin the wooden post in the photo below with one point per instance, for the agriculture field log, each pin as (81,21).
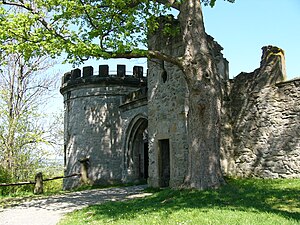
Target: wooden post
(38,188)
(84,165)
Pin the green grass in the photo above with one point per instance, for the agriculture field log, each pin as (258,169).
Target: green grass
(248,201)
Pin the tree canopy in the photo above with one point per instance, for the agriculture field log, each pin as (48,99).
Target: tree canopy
(81,28)
(27,132)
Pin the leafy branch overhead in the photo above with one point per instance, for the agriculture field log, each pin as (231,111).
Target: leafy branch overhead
(81,28)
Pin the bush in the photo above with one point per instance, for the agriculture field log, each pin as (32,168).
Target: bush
(53,186)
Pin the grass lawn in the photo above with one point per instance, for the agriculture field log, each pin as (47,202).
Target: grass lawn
(247,201)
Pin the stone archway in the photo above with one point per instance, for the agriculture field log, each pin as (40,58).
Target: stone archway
(136,157)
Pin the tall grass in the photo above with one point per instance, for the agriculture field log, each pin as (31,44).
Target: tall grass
(247,201)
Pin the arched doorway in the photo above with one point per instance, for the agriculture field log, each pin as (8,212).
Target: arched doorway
(136,151)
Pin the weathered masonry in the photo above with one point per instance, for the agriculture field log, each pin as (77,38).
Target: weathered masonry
(261,131)
(106,124)
(130,128)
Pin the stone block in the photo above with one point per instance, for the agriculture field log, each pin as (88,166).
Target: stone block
(138,71)
(66,77)
(103,70)
(76,73)
(121,70)
(88,71)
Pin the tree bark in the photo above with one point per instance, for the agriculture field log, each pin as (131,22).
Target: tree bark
(204,101)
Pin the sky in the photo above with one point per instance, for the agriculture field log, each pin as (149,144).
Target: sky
(242,29)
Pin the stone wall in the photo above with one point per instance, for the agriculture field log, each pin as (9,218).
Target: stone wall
(168,147)
(260,116)
(264,120)
(167,121)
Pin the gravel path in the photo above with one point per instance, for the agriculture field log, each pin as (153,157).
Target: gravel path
(50,210)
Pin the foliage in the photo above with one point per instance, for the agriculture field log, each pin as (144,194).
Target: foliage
(248,201)
(53,186)
(82,29)
(212,3)
(24,133)
(88,29)
(9,197)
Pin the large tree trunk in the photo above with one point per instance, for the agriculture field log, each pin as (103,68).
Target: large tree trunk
(204,101)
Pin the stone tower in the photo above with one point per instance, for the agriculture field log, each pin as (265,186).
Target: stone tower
(99,110)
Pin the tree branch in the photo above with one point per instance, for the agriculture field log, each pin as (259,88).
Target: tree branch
(88,16)
(167,58)
(42,20)
(149,54)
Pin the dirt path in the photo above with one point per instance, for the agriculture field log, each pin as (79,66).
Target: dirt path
(50,210)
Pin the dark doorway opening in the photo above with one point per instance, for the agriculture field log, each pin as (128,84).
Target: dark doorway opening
(146,160)
(143,162)
(164,162)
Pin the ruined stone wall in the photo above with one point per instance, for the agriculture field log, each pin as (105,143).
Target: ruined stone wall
(264,121)
(167,115)
(267,136)
(94,127)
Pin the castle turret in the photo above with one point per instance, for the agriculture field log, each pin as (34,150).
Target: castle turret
(93,121)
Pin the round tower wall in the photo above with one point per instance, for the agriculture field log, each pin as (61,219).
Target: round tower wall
(94,125)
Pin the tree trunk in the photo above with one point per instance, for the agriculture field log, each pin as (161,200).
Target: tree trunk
(11,127)
(204,101)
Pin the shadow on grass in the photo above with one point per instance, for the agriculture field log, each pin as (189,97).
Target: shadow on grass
(279,197)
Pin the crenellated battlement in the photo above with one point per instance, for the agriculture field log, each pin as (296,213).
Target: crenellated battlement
(87,75)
